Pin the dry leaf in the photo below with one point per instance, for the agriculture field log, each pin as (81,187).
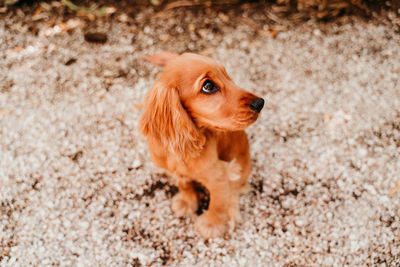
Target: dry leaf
(37,11)
(181,3)
(191,27)
(223,17)
(338,5)
(62,26)
(272,33)
(90,16)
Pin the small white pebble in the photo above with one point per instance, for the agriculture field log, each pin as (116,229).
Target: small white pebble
(136,164)
(299,222)
(362,152)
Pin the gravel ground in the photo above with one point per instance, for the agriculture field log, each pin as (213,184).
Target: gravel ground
(77,187)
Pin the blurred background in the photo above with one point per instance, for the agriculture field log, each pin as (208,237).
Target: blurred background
(263,17)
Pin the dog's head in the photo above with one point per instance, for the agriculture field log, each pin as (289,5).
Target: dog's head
(195,93)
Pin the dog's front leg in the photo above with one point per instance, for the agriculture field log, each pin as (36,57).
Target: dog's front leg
(185,202)
(224,202)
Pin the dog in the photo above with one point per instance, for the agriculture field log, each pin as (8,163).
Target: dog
(194,120)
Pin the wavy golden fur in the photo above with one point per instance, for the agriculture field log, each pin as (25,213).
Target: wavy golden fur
(194,120)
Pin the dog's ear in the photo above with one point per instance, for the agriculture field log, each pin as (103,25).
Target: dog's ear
(161,59)
(166,120)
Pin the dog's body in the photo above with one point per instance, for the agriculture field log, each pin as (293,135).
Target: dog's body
(194,121)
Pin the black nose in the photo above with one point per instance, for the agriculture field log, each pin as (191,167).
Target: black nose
(257,104)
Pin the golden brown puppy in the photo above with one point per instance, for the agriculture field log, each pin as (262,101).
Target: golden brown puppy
(194,121)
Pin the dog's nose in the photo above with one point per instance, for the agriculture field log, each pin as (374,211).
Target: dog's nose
(257,104)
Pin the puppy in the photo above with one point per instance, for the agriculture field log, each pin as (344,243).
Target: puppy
(194,120)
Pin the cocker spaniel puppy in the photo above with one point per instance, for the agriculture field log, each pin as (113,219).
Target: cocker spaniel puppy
(194,120)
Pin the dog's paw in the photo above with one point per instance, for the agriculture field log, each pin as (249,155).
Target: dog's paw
(210,227)
(234,217)
(244,188)
(234,170)
(182,206)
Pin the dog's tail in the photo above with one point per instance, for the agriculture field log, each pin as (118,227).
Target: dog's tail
(161,59)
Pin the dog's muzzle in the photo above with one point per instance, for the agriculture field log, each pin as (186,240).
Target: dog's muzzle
(257,104)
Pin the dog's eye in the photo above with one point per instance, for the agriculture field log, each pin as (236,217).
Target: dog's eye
(209,87)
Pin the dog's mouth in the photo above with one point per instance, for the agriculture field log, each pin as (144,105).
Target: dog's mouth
(236,122)
(245,119)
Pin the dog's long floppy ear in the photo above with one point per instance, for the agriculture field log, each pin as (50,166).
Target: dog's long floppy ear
(166,120)
(161,59)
